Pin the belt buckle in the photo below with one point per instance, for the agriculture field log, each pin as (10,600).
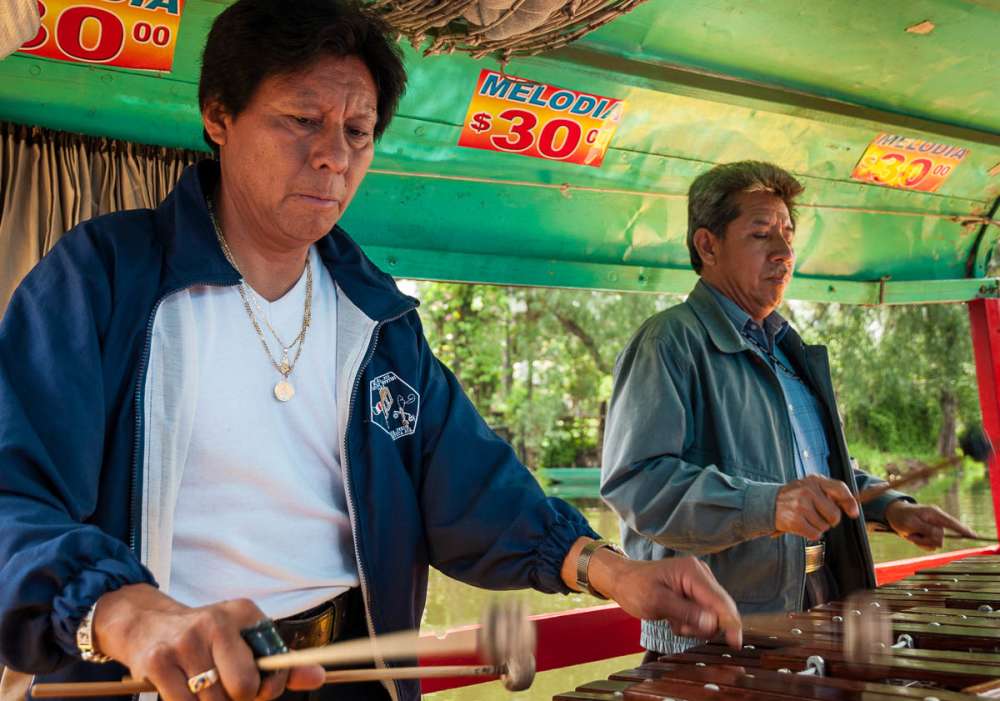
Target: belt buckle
(815,557)
(316,630)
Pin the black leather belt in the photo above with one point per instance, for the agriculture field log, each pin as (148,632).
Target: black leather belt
(317,626)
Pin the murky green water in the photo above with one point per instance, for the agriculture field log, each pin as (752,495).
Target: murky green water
(452,603)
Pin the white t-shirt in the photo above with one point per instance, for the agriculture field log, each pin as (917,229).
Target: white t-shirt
(261,511)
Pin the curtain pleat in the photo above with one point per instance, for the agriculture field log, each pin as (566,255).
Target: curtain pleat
(51,181)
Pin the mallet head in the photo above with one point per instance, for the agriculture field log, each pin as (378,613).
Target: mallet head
(507,639)
(975,444)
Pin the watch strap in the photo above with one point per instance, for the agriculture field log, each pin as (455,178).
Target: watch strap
(583,564)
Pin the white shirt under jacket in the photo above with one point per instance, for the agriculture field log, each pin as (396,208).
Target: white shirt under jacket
(261,509)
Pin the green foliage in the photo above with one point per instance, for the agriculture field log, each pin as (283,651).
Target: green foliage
(874,460)
(905,376)
(537,363)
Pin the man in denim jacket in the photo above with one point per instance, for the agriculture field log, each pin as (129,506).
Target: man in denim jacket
(723,437)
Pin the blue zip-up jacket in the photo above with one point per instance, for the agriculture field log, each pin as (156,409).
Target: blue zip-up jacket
(88,402)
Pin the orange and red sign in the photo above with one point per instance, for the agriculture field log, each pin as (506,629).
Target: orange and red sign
(125,33)
(909,164)
(534,119)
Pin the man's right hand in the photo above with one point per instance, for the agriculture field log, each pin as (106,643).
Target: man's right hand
(811,506)
(166,643)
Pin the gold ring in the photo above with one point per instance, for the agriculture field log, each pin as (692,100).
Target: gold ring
(200,682)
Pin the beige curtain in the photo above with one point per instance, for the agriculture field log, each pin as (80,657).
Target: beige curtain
(51,181)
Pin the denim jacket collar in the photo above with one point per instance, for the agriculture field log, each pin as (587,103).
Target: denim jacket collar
(710,313)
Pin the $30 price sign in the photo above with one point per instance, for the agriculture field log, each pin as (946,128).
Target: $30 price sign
(909,164)
(534,119)
(125,33)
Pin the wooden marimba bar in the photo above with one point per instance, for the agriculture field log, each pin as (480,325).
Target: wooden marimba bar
(945,624)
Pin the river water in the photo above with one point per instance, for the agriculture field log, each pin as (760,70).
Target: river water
(451,603)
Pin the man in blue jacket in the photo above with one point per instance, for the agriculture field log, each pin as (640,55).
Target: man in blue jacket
(220,410)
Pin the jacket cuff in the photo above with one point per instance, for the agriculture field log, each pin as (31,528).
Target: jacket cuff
(874,510)
(759,501)
(657,636)
(568,525)
(72,604)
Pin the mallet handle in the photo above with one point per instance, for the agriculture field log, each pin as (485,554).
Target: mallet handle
(392,646)
(867,495)
(86,689)
(340,676)
(365,675)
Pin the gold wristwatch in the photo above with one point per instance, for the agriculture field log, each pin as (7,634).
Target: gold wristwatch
(85,639)
(583,564)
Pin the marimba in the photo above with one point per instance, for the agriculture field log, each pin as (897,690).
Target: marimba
(944,645)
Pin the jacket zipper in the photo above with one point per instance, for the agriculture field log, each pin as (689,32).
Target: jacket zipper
(790,433)
(365,593)
(133,518)
(845,460)
(140,413)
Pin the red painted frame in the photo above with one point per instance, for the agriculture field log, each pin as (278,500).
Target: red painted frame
(887,572)
(602,632)
(984,318)
(564,639)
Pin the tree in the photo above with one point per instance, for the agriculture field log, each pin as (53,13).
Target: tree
(538,363)
(905,375)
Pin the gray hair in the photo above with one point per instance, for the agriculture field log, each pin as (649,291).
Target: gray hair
(712,199)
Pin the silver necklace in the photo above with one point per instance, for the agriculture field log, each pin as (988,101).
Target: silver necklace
(283,389)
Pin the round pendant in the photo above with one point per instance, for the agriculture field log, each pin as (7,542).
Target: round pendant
(283,391)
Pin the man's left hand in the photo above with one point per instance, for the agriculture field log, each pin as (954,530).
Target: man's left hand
(923,525)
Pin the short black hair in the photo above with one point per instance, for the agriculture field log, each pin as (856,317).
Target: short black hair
(252,40)
(713,199)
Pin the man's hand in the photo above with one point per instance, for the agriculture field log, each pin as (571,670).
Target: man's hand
(811,506)
(165,642)
(681,590)
(923,525)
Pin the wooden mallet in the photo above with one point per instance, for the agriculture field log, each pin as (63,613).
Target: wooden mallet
(506,641)
(973,443)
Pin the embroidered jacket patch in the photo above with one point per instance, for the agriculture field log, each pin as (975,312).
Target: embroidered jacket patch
(395,405)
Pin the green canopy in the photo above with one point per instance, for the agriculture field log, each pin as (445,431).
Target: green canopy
(805,85)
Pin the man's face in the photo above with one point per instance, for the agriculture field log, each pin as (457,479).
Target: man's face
(752,263)
(293,159)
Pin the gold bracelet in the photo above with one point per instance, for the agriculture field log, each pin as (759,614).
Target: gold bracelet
(85,639)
